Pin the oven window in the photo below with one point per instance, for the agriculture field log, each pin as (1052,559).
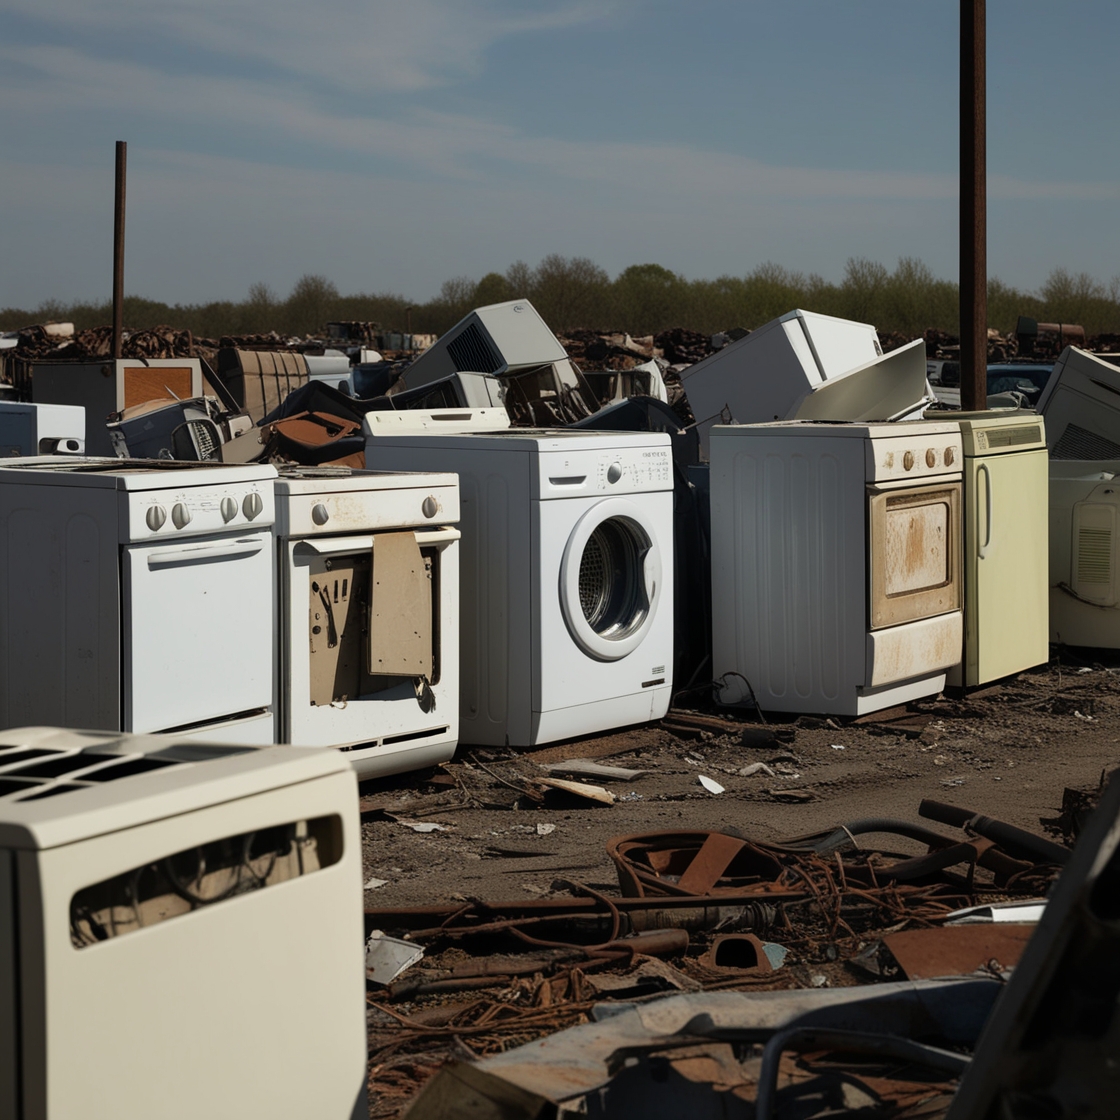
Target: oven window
(915,553)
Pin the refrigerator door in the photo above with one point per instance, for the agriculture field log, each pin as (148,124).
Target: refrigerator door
(1006,565)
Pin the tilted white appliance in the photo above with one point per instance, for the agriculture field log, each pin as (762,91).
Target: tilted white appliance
(368,583)
(498,338)
(137,595)
(1081,404)
(805,366)
(459,390)
(1085,553)
(168,905)
(434,421)
(41,429)
(332,368)
(112,385)
(836,564)
(566,580)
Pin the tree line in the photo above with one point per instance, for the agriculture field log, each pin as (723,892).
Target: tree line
(574,292)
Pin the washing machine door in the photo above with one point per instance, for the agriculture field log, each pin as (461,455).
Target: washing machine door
(610,579)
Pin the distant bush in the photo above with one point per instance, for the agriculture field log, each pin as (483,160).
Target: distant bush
(573,292)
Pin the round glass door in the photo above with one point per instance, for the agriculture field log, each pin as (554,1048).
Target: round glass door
(610,579)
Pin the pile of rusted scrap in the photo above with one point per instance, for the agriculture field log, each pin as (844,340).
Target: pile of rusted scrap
(699,913)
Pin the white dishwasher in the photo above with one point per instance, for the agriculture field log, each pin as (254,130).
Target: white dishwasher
(138,596)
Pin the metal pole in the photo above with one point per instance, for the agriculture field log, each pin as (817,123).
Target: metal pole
(973,217)
(118,248)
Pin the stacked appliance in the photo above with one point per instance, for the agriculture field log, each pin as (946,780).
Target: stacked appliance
(137,596)
(112,385)
(41,429)
(459,390)
(805,366)
(566,582)
(836,564)
(1005,545)
(368,584)
(165,901)
(1081,404)
(433,421)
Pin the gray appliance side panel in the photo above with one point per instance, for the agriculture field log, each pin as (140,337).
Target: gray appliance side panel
(32,986)
(789,580)
(59,608)
(81,383)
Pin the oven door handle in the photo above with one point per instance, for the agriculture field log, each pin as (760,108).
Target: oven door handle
(189,555)
(328,546)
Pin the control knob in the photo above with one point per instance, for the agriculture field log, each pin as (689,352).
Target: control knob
(614,473)
(931,457)
(950,455)
(429,507)
(908,461)
(229,509)
(320,514)
(252,505)
(180,515)
(155,517)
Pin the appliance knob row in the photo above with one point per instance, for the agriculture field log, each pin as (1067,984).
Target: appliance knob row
(180,515)
(252,505)
(319,513)
(229,509)
(155,517)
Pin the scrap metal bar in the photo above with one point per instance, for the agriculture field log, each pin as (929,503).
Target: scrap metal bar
(118,248)
(973,208)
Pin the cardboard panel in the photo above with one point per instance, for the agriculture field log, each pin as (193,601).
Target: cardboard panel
(400,632)
(337,602)
(150,383)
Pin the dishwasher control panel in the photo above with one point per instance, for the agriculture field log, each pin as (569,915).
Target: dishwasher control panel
(192,511)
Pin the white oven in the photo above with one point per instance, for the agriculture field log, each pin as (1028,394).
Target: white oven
(138,597)
(368,578)
(836,563)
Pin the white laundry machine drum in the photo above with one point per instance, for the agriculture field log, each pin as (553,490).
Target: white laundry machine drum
(610,579)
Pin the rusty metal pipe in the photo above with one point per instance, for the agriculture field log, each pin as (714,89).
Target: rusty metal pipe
(973,207)
(118,248)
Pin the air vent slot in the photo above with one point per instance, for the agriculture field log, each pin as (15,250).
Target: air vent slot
(1094,556)
(1094,529)
(473,352)
(1080,443)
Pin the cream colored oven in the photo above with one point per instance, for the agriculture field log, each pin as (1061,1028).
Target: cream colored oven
(836,563)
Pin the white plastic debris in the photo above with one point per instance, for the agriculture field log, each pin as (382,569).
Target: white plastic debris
(757,768)
(424,826)
(373,884)
(387,957)
(545,829)
(710,784)
(838,746)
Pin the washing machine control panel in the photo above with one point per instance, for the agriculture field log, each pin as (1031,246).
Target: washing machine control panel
(650,468)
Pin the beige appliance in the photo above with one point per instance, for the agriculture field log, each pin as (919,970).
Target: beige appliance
(110,386)
(1085,553)
(1006,547)
(836,563)
(368,584)
(180,930)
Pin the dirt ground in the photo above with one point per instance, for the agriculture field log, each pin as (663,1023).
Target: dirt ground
(1007,751)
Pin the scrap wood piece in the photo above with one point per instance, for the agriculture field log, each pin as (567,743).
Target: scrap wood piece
(797,796)
(586,768)
(580,789)
(927,954)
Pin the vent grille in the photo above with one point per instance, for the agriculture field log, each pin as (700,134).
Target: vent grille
(473,352)
(1080,443)
(1094,556)
(28,775)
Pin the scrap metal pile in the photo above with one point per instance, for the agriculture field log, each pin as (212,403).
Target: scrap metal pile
(701,912)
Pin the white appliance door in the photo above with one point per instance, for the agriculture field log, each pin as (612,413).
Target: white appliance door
(197,619)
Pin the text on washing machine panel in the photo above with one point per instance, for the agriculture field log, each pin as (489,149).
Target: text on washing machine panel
(642,469)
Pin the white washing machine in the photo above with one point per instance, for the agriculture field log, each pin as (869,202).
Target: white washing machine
(566,577)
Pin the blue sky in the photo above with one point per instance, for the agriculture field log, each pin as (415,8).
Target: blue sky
(391,145)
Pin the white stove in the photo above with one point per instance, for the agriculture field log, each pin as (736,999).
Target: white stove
(368,650)
(137,596)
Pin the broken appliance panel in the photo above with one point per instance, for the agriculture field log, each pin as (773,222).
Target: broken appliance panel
(1081,404)
(368,575)
(41,429)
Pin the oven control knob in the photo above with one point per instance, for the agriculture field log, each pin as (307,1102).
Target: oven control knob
(155,517)
(320,514)
(252,505)
(908,461)
(229,509)
(931,457)
(429,507)
(180,515)
(614,473)
(950,455)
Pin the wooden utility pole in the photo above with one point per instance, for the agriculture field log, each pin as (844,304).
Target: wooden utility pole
(974,216)
(118,249)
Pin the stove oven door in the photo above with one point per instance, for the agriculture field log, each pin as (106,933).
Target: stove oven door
(198,622)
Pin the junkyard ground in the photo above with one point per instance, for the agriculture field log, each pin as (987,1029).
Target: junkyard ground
(1006,751)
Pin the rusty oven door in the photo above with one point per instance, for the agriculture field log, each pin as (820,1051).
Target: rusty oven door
(914,552)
